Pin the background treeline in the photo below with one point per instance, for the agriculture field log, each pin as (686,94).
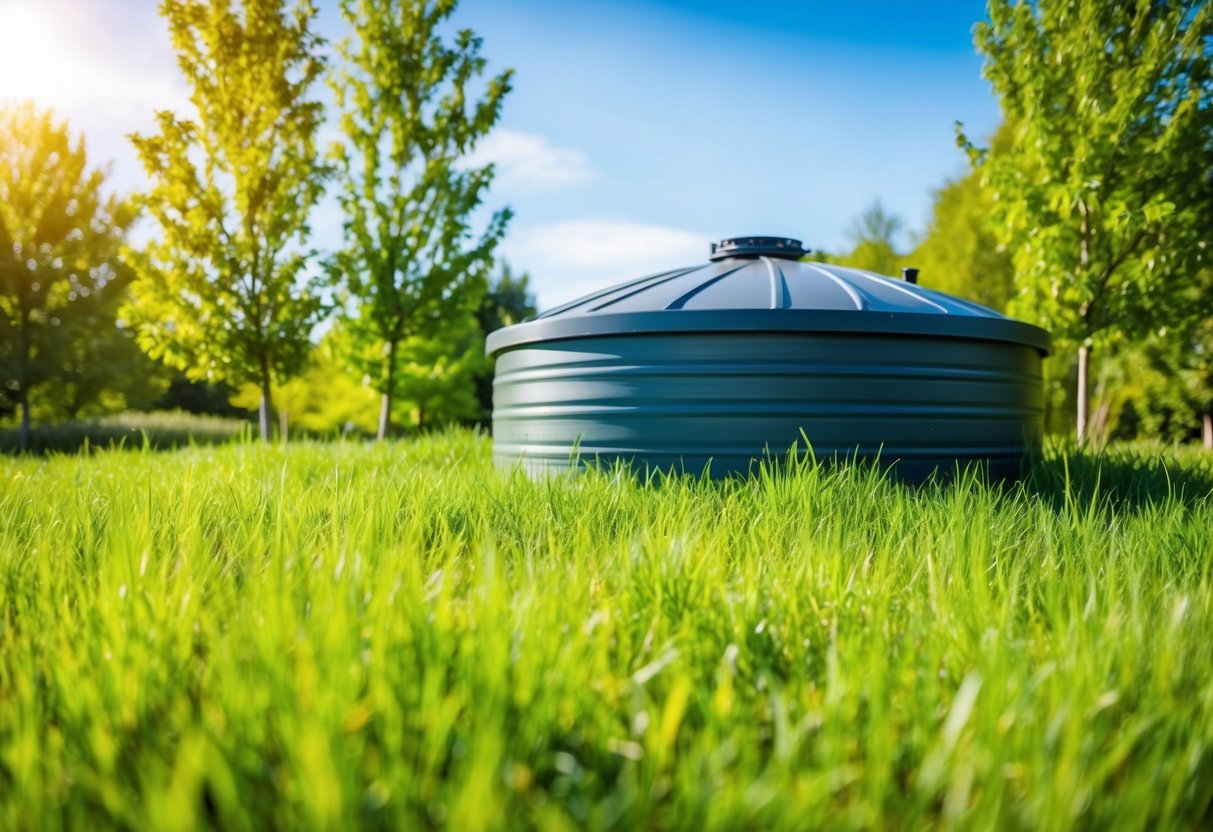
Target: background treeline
(227,308)
(1090,212)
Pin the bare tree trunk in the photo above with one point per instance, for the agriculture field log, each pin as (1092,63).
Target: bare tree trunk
(1206,430)
(385,416)
(264,413)
(1084,362)
(282,425)
(267,401)
(24,434)
(385,402)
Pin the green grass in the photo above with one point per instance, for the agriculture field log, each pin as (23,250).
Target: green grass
(157,430)
(341,635)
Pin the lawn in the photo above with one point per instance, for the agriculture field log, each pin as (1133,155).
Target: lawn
(396,635)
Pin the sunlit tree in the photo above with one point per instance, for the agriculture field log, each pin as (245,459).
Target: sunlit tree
(960,253)
(1103,192)
(413,106)
(61,272)
(224,292)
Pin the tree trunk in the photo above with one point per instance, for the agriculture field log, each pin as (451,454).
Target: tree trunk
(385,415)
(1084,362)
(282,425)
(264,413)
(385,403)
(267,402)
(24,434)
(1206,430)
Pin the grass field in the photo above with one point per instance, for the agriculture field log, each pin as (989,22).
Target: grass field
(340,635)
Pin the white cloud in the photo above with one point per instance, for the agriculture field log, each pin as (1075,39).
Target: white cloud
(572,258)
(529,162)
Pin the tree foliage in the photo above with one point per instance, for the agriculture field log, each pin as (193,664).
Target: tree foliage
(328,398)
(224,293)
(873,236)
(411,111)
(959,254)
(508,301)
(436,374)
(61,273)
(1103,193)
(1162,385)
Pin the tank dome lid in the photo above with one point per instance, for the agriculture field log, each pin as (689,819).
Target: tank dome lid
(761,284)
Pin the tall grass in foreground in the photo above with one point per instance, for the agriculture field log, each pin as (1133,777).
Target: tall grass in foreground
(399,636)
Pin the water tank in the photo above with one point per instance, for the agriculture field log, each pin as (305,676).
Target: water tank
(717,365)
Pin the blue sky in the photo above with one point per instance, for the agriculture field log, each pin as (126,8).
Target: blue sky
(637,132)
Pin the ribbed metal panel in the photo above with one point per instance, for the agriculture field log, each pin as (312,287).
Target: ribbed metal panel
(683,401)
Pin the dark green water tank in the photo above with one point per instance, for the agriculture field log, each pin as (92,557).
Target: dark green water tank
(717,365)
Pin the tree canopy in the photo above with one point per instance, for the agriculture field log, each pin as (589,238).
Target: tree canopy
(873,236)
(959,254)
(61,273)
(224,292)
(1104,191)
(412,108)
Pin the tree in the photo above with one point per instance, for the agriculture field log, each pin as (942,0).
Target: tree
(508,301)
(1164,381)
(435,374)
(327,398)
(1105,190)
(872,235)
(439,374)
(225,294)
(100,370)
(409,116)
(61,274)
(959,254)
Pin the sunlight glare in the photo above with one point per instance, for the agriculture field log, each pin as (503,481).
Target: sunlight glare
(35,60)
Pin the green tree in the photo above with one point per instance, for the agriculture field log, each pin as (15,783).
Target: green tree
(326,398)
(61,273)
(1164,382)
(225,293)
(439,374)
(436,373)
(101,370)
(1103,193)
(873,235)
(959,254)
(508,301)
(410,114)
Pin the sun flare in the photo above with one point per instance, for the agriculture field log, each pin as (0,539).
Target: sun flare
(36,62)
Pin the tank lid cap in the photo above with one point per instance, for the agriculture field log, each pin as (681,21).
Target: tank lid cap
(782,247)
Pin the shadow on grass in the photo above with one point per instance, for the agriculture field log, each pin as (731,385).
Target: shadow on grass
(1123,477)
(154,431)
